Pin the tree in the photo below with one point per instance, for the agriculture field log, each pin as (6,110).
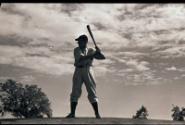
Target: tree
(178,115)
(25,101)
(142,113)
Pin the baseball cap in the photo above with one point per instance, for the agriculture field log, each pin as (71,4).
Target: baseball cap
(82,37)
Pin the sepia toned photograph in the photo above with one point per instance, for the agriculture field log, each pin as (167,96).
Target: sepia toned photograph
(90,63)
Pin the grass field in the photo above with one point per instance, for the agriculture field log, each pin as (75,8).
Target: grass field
(90,121)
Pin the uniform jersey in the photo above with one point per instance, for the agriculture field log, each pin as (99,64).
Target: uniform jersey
(78,53)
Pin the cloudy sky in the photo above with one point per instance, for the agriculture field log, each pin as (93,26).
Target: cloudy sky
(144,45)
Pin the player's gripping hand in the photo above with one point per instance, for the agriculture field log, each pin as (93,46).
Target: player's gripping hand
(97,49)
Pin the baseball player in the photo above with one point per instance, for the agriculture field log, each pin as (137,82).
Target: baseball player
(83,74)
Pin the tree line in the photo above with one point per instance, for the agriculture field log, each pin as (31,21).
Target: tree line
(29,101)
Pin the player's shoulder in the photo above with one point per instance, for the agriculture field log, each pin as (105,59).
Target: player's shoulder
(76,49)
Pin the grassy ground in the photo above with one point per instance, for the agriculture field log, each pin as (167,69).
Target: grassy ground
(90,121)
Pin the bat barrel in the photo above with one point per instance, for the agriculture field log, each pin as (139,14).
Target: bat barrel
(89,29)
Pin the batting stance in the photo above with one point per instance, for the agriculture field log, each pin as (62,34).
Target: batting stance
(83,74)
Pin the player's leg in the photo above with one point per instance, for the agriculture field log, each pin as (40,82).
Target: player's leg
(76,93)
(91,89)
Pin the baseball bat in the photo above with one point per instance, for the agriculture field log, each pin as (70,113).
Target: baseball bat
(89,29)
(100,56)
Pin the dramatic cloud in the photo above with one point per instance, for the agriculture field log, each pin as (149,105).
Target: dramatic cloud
(131,36)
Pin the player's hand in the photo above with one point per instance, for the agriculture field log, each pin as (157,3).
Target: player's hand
(97,49)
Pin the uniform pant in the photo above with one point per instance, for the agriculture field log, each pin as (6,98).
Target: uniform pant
(83,75)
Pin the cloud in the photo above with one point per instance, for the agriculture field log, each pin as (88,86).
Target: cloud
(133,37)
(173,52)
(132,54)
(173,68)
(45,65)
(140,66)
(112,31)
(27,79)
(70,9)
(51,64)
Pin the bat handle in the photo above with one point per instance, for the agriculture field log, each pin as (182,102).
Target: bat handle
(95,45)
(97,49)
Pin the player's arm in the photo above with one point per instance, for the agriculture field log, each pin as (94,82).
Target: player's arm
(80,57)
(98,54)
(92,53)
(83,57)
